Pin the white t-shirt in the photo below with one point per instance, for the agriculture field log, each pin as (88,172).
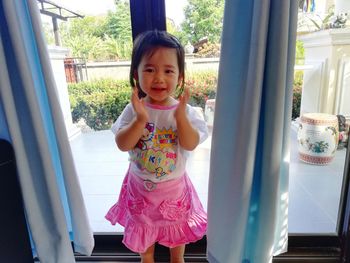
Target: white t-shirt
(158,155)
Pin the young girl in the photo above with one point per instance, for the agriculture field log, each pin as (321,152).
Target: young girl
(158,202)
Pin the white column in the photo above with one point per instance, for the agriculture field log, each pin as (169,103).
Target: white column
(327,84)
(57,56)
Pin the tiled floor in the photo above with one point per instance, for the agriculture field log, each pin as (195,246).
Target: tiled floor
(314,190)
(314,193)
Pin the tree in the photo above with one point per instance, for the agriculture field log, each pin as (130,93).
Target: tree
(89,25)
(83,36)
(203,18)
(118,24)
(117,48)
(117,31)
(100,37)
(85,46)
(173,29)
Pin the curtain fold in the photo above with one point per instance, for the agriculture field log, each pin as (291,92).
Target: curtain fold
(53,200)
(4,133)
(248,189)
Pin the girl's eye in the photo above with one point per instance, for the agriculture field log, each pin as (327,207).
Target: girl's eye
(169,71)
(148,70)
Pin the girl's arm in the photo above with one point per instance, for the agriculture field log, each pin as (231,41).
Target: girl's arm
(128,136)
(187,134)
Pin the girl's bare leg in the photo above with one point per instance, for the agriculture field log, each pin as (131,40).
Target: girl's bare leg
(177,254)
(148,256)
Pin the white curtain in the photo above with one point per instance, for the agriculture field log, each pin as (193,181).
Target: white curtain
(248,185)
(53,201)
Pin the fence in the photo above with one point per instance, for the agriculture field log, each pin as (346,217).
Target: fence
(75,69)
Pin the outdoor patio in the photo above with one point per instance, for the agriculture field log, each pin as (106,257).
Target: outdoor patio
(314,191)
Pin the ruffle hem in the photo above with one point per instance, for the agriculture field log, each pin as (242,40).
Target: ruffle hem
(171,214)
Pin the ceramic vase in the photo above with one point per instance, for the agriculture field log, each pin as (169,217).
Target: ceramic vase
(318,137)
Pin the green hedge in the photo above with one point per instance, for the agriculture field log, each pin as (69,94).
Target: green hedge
(100,102)
(298,83)
(202,85)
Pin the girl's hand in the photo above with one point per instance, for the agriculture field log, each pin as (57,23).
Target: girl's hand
(139,107)
(180,112)
(187,134)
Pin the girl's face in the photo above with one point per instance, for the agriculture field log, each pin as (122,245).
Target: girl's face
(158,75)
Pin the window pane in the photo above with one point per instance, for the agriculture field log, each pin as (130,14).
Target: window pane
(202,62)
(321,85)
(321,80)
(91,69)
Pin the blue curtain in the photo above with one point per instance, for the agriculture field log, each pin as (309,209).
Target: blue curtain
(248,184)
(32,119)
(4,133)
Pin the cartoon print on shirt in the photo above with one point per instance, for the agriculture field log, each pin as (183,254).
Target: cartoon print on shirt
(156,151)
(147,136)
(159,172)
(164,138)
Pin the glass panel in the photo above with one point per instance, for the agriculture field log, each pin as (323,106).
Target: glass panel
(89,45)
(202,62)
(91,69)
(322,82)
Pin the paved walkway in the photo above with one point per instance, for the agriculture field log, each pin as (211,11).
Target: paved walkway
(314,191)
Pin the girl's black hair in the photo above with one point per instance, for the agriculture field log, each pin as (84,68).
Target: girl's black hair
(145,43)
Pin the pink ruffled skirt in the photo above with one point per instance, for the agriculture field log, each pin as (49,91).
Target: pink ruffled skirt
(169,213)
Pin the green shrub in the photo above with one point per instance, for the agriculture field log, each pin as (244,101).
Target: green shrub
(202,85)
(297,89)
(296,102)
(298,77)
(100,102)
